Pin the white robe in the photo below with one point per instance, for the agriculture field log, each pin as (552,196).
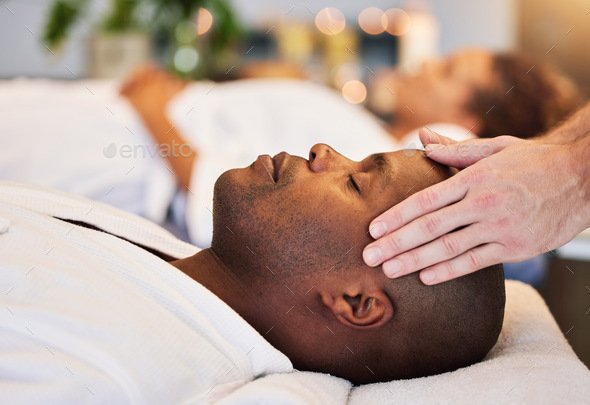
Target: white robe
(90,318)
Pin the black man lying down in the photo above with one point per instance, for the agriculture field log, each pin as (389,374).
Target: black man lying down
(95,313)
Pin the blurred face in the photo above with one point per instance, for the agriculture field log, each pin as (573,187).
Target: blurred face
(442,87)
(290,227)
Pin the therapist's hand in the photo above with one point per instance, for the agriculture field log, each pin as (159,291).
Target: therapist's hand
(515,199)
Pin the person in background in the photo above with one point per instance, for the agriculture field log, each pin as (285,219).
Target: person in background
(488,94)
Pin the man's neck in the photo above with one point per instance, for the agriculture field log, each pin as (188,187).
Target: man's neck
(208,270)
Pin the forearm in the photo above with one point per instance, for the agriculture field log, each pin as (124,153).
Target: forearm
(180,154)
(573,134)
(573,129)
(580,169)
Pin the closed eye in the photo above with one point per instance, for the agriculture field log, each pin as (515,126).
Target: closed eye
(354,184)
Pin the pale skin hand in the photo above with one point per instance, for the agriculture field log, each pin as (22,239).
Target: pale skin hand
(525,198)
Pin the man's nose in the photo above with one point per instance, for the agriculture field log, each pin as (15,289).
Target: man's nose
(323,158)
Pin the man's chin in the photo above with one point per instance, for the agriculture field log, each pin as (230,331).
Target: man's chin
(235,199)
(225,190)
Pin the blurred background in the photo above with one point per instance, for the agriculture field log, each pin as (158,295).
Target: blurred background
(347,45)
(329,42)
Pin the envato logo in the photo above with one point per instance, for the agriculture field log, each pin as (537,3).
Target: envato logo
(127,151)
(471,150)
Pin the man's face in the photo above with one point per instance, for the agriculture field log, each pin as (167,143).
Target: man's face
(440,90)
(288,228)
(289,214)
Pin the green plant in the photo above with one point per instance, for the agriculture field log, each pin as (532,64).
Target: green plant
(157,17)
(121,16)
(63,14)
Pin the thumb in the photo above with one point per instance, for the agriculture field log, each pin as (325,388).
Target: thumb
(428,136)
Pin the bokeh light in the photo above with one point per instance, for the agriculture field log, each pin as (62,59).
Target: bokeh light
(330,21)
(186,58)
(204,21)
(397,21)
(354,92)
(372,20)
(344,73)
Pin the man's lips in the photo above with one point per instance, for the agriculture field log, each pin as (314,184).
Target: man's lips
(280,162)
(273,167)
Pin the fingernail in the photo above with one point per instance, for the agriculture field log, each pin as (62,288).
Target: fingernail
(392,268)
(377,230)
(372,256)
(427,276)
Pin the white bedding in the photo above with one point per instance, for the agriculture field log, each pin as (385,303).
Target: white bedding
(531,363)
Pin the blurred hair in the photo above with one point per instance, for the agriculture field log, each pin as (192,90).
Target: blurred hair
(527,99)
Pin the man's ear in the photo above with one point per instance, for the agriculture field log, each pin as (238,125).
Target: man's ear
(366,310)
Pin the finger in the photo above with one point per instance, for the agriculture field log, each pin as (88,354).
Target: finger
(446,247)
(421,203)
(466,263)
(386,247)
(468,152)
(419,232)
(428,136)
